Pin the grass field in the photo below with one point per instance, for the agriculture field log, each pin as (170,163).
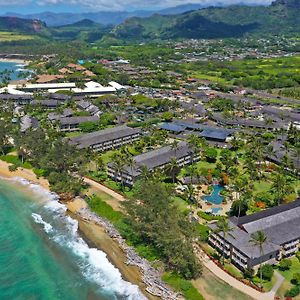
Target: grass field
(6,36)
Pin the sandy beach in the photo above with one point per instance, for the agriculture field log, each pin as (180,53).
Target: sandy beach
(15,60)
(94,234)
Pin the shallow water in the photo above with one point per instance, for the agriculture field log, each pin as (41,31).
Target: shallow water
(12,66)
(43,257)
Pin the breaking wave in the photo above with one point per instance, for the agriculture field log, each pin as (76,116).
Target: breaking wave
(93,263)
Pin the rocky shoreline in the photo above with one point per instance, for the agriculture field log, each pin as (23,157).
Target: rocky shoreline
(150,276)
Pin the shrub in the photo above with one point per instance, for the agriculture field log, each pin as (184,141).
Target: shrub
(267,272)
(248,273)
(296,279)
(293,292)
(298,255)
(285,264)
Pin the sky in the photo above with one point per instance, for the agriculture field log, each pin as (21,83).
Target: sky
(33,6)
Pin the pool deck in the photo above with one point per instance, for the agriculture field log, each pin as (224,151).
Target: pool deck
(205,205)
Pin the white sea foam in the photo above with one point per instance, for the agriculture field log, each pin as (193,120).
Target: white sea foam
(39,220)
(93,263)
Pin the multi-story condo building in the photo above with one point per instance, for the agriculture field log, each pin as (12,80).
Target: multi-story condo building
(68,124)
(281,226)
(152,160)
(107,139)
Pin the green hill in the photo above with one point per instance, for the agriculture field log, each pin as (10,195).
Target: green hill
(18,25)
(282,17)
(85,30)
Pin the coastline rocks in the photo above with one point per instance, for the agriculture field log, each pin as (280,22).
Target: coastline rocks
(150,276)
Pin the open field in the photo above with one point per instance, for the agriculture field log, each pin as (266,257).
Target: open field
(6,36)
(256,73)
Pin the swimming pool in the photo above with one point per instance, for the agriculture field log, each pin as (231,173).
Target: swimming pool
(215,197)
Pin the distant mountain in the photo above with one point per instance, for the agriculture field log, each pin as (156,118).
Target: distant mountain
(84,30)
(104,17)
(14,24)
(282,17)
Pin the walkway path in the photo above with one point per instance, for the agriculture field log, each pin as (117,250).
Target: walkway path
(104,189)
(279,282)
(209,264)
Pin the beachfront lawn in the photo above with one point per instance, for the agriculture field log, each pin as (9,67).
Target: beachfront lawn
(182,285)
(211,287)
(14,160)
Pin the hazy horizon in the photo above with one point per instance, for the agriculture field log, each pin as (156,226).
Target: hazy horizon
(76,6)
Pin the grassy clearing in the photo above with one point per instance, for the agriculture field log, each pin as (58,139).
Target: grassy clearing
(184,286)
(12,36)
(212,288)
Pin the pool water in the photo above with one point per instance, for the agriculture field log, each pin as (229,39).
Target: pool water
(215,197)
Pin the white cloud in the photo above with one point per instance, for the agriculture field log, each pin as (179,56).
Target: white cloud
(124,4)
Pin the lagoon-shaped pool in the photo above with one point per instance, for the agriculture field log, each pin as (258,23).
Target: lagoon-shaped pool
(215,197)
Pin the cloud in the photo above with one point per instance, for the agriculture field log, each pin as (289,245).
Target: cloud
(124,4)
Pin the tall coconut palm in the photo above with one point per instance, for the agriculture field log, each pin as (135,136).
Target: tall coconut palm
(172,168)
(224,228)
(259,239)
(174,146)
(130,163)
(240,186)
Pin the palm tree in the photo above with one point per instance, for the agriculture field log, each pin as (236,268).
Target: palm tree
(131,163)
(145,173)
(259,239)
(223,227)
(279,186)
(240,186)
(174,146)
(172,168)
(118,164)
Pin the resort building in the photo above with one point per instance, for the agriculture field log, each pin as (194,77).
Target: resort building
(281,226)
(91,88)
(68,124)
(107,139)
(152,160)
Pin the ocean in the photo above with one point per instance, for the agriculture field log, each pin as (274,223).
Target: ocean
(12,66)
(42,257)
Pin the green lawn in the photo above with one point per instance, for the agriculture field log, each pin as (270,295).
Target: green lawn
(184,286)
(212,287)
(182,205)
(261,186)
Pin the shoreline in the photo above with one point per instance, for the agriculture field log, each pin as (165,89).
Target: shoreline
(15,60)
(94,233)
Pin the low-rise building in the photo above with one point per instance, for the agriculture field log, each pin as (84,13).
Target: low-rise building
(152,160)
(72,123)
(281,226)
(107,139)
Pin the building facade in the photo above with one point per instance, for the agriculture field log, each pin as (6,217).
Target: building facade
(107,139)
(156,159)
(281,226)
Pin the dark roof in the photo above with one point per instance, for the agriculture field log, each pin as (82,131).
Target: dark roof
(77,120)
(157,158)
(294,116)
(47,103)
(215,134)
(172,127)
(98,137)
(265,213)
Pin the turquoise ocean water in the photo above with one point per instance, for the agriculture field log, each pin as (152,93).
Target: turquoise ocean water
(15,67)
(42,257)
